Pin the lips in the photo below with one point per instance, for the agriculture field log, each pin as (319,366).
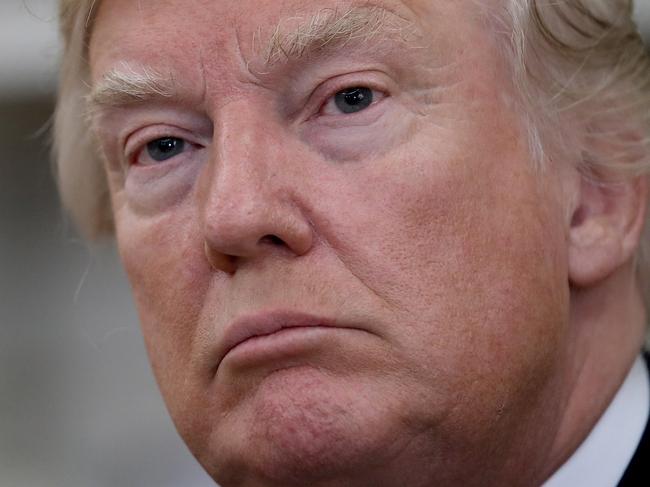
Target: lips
(264,324)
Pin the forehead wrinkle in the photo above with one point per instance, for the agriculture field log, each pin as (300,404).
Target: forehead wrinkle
(331,27)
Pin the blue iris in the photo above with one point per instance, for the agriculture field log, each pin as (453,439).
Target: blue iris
(162,149)
(353,100)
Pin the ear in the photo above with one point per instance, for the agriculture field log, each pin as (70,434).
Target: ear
(606,228)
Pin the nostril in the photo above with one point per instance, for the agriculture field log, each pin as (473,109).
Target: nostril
(272,240)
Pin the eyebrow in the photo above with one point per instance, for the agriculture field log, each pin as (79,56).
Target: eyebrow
(332,28)
(127,84)
(328,29)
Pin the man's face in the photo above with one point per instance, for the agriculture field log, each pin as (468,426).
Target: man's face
(377,185)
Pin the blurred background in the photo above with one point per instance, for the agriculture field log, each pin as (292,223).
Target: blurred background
(78,404)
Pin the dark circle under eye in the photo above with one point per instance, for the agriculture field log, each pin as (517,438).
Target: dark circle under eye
(162,149)
(353,100)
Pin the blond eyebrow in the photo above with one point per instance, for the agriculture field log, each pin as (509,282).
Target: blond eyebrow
(126,85)
(332,28)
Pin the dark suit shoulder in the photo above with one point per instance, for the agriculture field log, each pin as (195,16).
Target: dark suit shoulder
(638,471)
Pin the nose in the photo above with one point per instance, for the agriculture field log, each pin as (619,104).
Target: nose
(249,208)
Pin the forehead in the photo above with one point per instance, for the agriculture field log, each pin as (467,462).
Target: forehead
(249,31)
(232,16)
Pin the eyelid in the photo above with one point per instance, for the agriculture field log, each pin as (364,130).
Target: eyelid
(377,97)
(138,140)
(328,89)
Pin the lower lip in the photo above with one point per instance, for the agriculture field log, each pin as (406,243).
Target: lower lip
(283,344)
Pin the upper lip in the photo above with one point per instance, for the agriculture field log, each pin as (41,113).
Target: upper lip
(249,326)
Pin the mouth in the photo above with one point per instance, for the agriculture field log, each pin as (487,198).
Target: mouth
(266,336)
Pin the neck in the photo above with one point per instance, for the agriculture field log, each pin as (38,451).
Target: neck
(606,333)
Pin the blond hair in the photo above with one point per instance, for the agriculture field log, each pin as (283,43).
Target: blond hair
(578,60)
(582,74)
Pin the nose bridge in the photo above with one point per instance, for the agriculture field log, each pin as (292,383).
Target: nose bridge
(245,199)
(241,172)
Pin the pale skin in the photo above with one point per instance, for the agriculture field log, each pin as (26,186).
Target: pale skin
(473,345)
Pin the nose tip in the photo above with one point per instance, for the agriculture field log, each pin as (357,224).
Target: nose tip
(248,196)
(263,225)
(226,247)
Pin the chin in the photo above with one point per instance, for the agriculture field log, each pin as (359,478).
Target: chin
(301,427)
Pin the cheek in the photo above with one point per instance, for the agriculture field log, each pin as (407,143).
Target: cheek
(169,278)
(467,253)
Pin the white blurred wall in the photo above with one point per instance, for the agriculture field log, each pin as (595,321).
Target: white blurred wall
(78,405)
(29,48)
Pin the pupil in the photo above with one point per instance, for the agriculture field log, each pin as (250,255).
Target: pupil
(353,100)
(166,148)
(167,145)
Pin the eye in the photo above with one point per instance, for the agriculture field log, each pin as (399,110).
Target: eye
(156,146)
(165,148)
(160,150)
(350,100)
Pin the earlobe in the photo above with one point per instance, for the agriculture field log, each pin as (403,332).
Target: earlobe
(605,229)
